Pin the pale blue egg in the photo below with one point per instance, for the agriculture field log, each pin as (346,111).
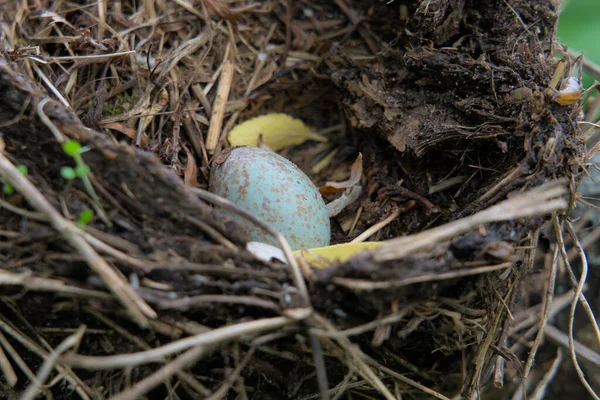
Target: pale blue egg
(273,188)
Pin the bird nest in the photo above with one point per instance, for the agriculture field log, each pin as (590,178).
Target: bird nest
(469,142)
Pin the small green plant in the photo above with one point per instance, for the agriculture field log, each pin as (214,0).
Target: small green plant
(74,149)
(71,173)
(82,171)
(8,188)
(85,217)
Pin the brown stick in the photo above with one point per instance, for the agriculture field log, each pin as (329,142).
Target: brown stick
(218,111)
(210,338)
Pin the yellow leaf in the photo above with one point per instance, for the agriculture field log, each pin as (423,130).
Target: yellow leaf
(277,130)
(324,256)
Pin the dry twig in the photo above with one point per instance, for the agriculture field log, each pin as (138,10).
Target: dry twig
(49,363)
(218,108)
(203,340)
(539,201)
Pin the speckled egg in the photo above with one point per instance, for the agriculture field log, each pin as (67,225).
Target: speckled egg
(273,188)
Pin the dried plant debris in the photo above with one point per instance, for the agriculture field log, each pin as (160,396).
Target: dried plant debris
(122,277)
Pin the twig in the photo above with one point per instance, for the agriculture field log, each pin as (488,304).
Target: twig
(589,66)
(49,124)
(117,254)
(35,283)
(143,345)
(210,338)
(288,31)
(539,201)
(576,297)
(546,302)
(22,212)
(221,392)
(185,303)
(137,307)
(145,385)
(559,304)
(358,358)
(508,178)
(363,284)
(212,233)
(16,357)
(376,228)
(354,19)
(499,369)
(34,387)
(528,317)
(192,9)
(186,49)
(7,370)
(116,328)
(319,361)
(560,338)
(99,58)
(81,388)
(517,16)
(406,380)
(584,265)
(218,110)
(340,388)
(343,386)
(502,341)
(113,240)
(369,326)
(484,347)
(50,86)
(102,18)
(540,390)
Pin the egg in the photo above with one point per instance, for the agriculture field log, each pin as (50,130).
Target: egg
(274,189)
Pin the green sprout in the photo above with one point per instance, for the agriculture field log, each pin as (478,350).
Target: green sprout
(68,173)
(8,188)
(85,217)
(71,173)
(82,171)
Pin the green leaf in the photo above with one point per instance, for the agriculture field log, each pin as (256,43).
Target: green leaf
(71,147)
(22,169)
(85,217)
(8,188)
(68,173)
(82,170)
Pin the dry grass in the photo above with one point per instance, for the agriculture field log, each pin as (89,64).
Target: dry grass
(160,290)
